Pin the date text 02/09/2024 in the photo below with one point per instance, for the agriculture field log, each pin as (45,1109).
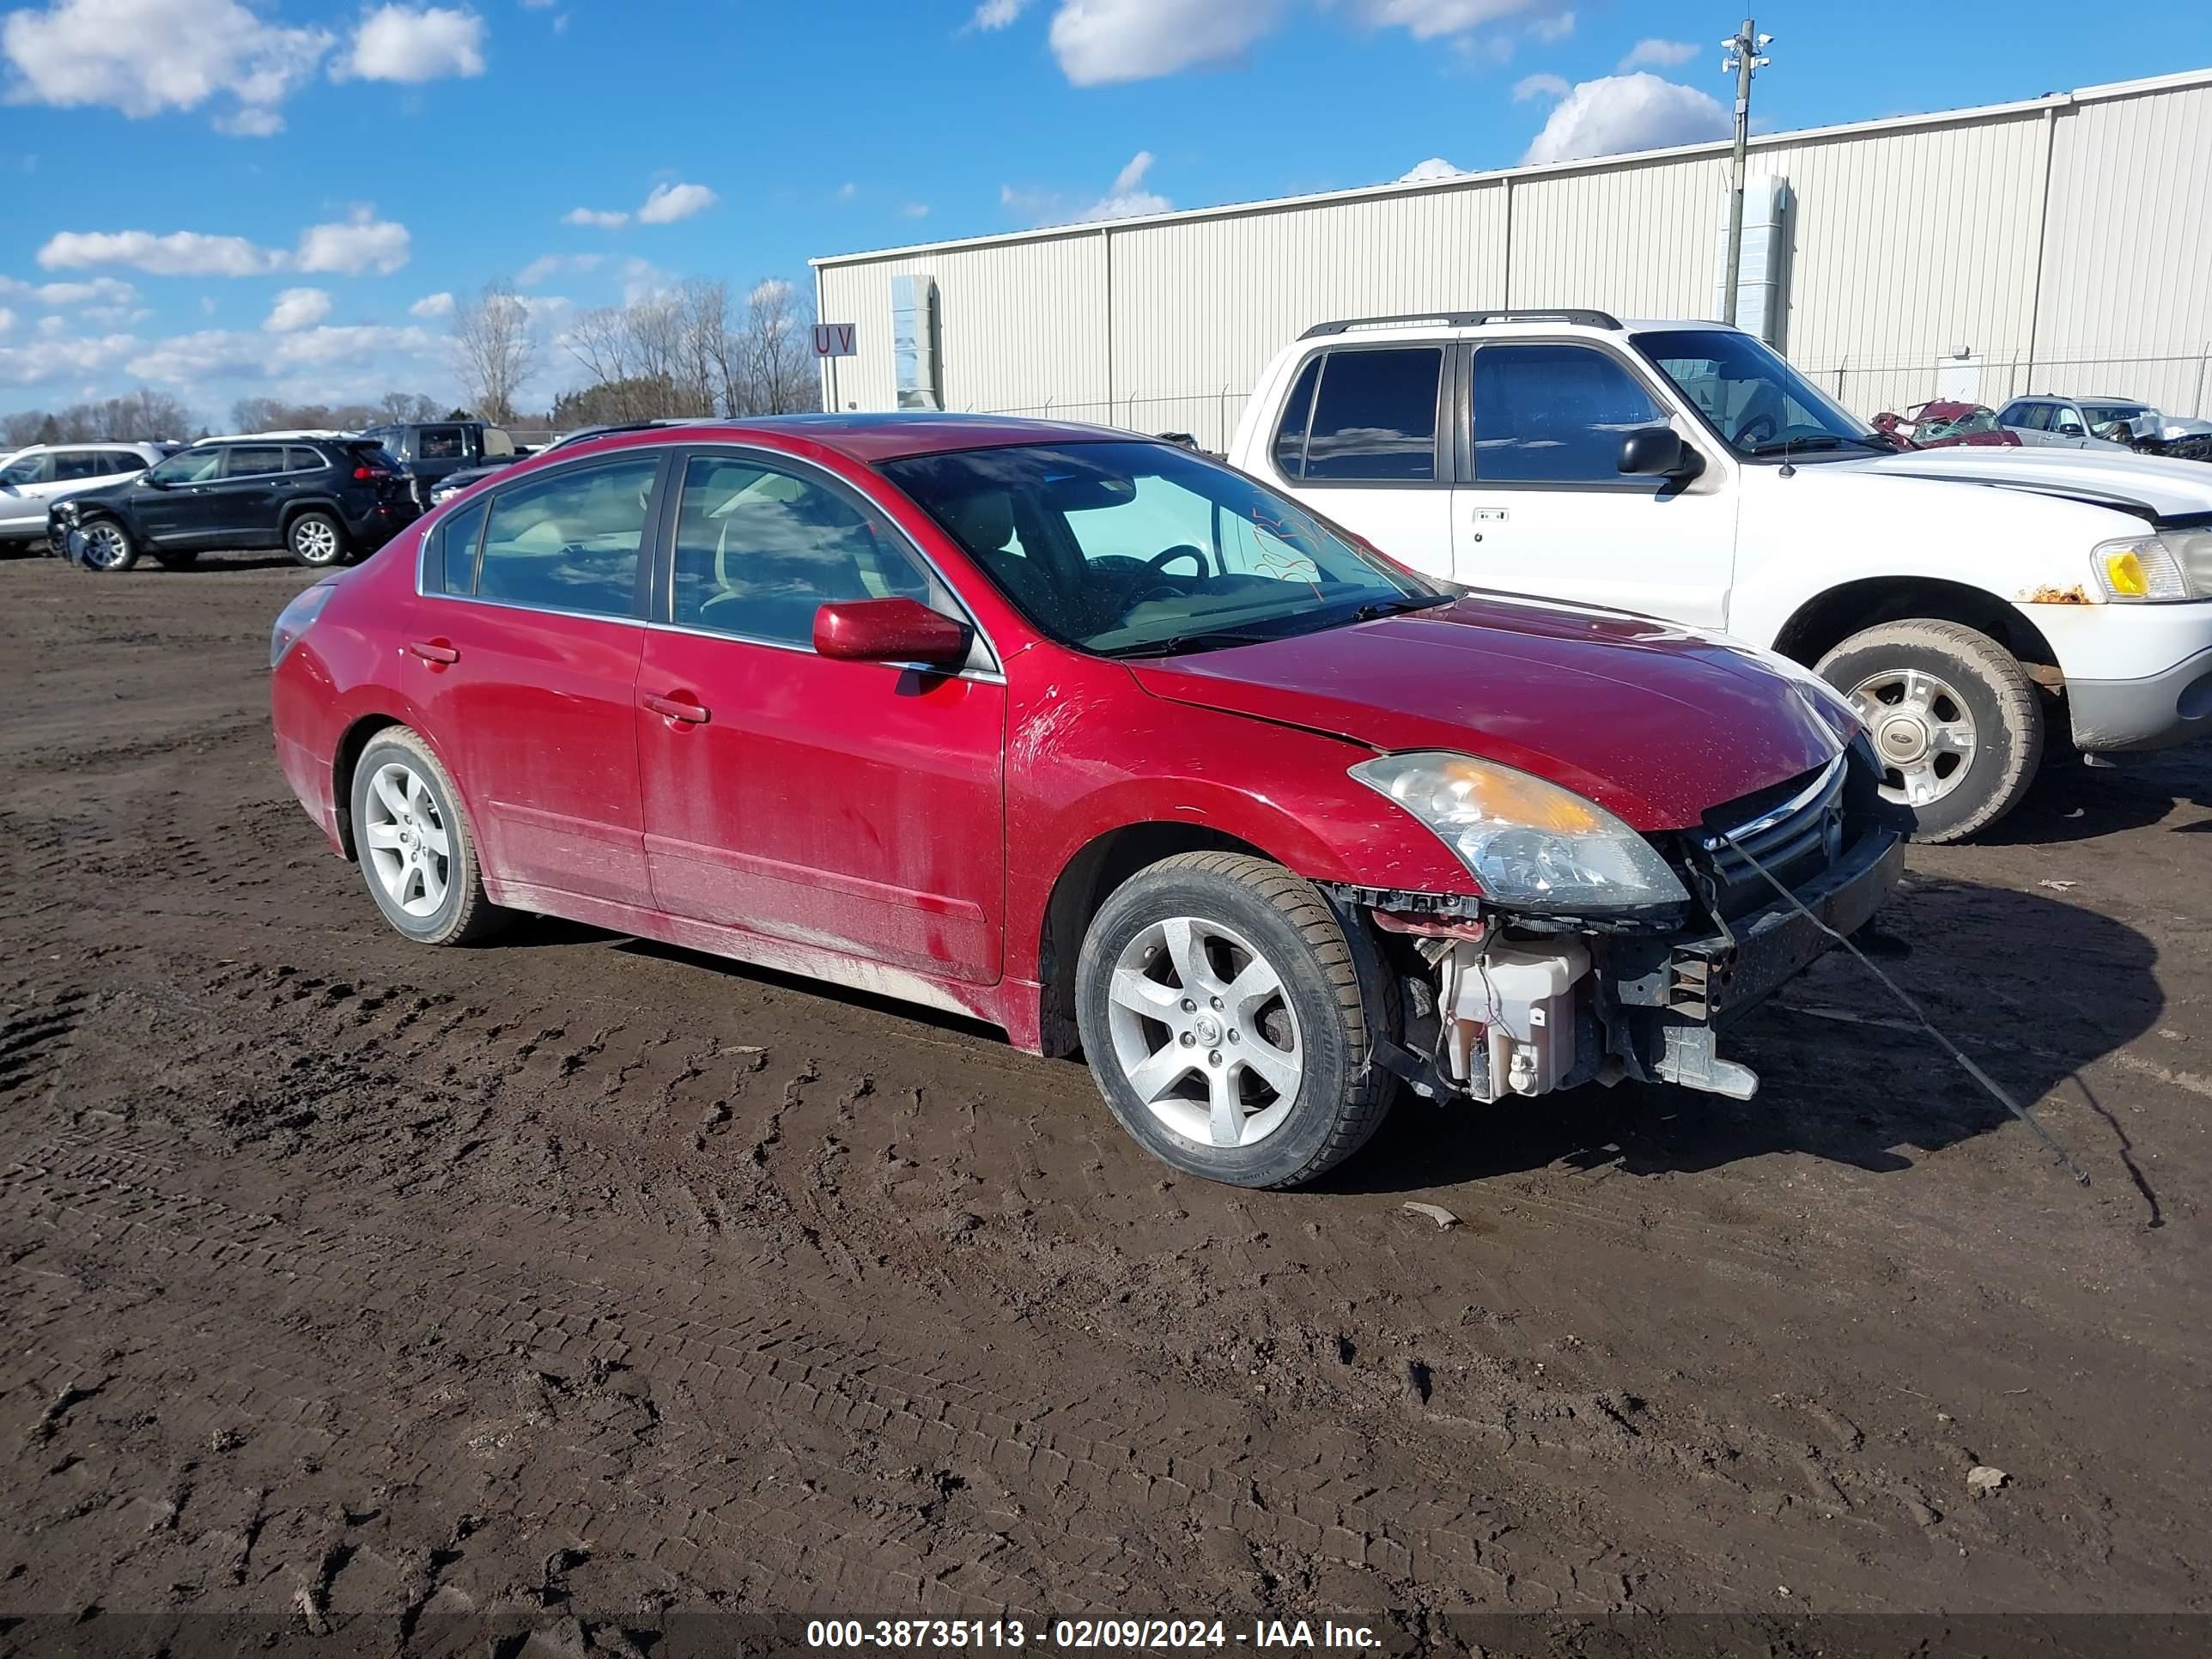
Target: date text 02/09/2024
(1141,1634)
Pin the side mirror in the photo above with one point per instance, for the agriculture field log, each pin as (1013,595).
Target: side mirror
(1658,452)
(889,631)
(2068,429)
(153,482)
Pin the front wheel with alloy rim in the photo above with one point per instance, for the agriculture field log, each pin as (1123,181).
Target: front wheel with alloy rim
(417,848)
(108,546)
(317,540)
(1956,724)
(1227,1021)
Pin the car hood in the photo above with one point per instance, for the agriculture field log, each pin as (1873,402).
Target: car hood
(2114,478)
(1655,723)
(114,491)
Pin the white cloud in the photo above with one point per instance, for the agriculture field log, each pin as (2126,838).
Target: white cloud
(439,304)
(405,43)
(359,242)
(297,308)
(1540,86)
(1427,19)
(848,191)
(1657,54)
(215,354)
(669,202)
(1126,195)
(107,290)
(1434,168)
(50,359)
(6,319)
(997,14)
(605,219)
(913,210)
(1098,42)
(145,57)
(179,253)
(1621,112)
(545,264)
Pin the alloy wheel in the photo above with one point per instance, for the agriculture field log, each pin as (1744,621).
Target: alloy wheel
(1203,1032)
(1924,733)
(406,840)
(315,541)
(105,546)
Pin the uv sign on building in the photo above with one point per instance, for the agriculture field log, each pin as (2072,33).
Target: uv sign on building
(2059,243)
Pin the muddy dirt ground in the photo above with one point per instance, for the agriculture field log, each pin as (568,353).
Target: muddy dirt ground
(354,1286)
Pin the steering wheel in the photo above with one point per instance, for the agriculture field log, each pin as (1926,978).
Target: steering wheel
(1159,562)
(1762,428)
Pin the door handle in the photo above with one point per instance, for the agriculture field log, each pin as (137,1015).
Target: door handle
(433,651)
(676,709)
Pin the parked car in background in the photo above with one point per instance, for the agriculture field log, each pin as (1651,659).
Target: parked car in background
(1944,423)
(324,500)
(1094,739)
(430,450)
(32,480)
(1686,470)
(2045,422)
(465,477)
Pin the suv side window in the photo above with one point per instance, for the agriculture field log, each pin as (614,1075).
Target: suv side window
(1555,414)
(759,550)
(31,470)
(305,460)
(70,464)
(1297,419)
(1374,416)
(254,460)
(569,541)
(115,461)
(2065,418)
(189,466)
(439,443)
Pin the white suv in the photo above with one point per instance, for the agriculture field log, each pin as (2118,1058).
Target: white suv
(34,479)
(1686,470)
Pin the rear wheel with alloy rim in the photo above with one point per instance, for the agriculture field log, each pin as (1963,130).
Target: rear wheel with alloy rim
(1227,1018)
(416,847)
(1956,724)
(108,546)
(317,540)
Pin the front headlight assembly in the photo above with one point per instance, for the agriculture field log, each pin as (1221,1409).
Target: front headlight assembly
(1530,844)
(2154,570)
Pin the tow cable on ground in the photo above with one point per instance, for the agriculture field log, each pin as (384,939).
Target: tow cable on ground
(2079,1175)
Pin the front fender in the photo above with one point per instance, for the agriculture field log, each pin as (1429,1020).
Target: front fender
(1088,754)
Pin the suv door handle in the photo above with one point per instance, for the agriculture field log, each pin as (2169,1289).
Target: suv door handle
(676,709)
(435,651)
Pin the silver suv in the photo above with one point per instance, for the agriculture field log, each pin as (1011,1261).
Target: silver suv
(35,478)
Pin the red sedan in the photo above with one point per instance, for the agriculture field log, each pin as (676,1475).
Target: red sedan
(1093,739)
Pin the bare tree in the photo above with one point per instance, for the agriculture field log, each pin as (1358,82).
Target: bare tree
(137,415)
(496,347)
(778,371)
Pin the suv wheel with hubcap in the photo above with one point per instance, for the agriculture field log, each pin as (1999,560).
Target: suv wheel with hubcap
(108,546)
(1957,725)
(317,540)
(1221,1010)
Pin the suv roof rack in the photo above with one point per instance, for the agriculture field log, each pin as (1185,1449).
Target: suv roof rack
(1467,320)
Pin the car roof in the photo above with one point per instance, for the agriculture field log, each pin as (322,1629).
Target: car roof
(871,437)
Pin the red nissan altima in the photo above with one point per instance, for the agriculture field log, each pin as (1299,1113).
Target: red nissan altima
(1092,739)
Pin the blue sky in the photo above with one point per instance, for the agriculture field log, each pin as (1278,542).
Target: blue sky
(218,198)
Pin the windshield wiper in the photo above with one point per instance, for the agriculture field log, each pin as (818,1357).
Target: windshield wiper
(1205,640)
(1820,442)
(1378,608)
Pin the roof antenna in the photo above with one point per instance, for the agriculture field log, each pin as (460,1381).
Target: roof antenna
(2080,1177)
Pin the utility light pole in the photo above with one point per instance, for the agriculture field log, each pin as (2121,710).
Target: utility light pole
(1744,47)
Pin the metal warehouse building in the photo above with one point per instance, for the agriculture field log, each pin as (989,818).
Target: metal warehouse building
(2063,243)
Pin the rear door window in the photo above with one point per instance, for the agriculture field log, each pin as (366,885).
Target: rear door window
(1555,414)
(570,541)
(1375,416)
(254,460)
(72,465)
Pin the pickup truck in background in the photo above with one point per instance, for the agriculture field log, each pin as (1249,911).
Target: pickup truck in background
(428,450)
(1968,600)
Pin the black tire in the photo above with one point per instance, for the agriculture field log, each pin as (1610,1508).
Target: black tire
(2003,703)
(1343,1093)
(318,541)
(177,558)
(109,542)
(466,916)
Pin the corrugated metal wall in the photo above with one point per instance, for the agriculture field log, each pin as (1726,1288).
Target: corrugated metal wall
(1907,244)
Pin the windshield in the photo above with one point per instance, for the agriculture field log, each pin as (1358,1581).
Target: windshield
(1131,549)
(1756,402)
(1958,426)
(2105,414)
